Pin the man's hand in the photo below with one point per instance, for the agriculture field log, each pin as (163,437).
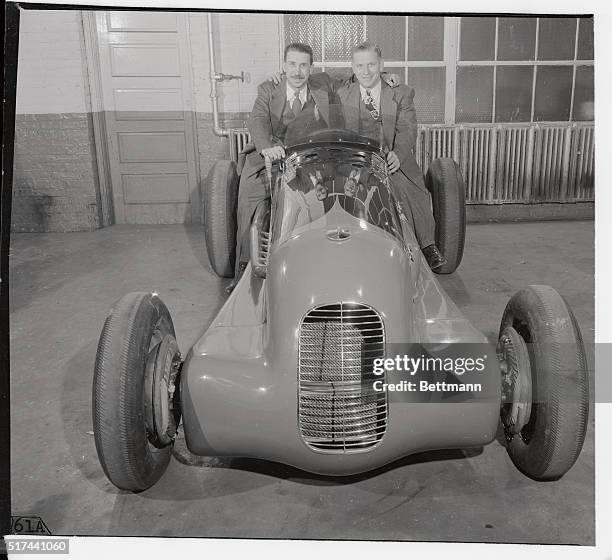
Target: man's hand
(320,192)
(392,80)
(393,162)
(273,153)
(277,78)
(350,187)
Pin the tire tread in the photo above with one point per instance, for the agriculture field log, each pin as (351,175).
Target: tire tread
(559,362)
(118,410)
(445,183)
(220,199)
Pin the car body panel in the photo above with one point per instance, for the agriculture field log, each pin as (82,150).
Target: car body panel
(239,381)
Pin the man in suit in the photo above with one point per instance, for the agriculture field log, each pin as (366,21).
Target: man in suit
(283,112)
(388,115)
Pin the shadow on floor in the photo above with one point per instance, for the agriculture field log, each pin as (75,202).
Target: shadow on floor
(286,472)
(76,413)
(42,267)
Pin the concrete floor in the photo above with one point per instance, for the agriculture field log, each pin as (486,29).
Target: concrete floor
(62,286)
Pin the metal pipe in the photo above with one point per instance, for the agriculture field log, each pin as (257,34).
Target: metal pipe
(217,128)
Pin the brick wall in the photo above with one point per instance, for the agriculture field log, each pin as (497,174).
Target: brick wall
(54,175)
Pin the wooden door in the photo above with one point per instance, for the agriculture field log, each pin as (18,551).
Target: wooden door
(146,85)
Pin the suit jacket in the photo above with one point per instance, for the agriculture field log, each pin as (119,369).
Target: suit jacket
(265,121)
(399,121)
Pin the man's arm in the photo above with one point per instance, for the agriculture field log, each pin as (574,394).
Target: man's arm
(260,122)
(391,79)
(406,128)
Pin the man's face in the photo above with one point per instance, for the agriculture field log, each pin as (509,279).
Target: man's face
(297,68)
(367,66)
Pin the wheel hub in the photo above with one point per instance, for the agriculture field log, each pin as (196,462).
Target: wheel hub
(516,381)
(161,399)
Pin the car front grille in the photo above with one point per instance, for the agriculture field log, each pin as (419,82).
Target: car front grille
(338,409)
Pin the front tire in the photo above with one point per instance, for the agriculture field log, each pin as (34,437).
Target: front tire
(549,443)
(445,183)
(131,455)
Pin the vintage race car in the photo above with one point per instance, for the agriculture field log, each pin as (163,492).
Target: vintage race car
(317,358)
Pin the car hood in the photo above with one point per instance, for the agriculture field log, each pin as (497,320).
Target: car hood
(338,259)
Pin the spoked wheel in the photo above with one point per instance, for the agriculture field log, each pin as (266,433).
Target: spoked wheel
(545,386)
(136,402)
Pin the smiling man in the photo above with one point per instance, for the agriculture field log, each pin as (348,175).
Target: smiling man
(387,114)
(283,112)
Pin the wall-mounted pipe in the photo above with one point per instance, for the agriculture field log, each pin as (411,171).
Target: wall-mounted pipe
(214,77)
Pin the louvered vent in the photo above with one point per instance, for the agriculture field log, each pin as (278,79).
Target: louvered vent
(518,163)
(338,410)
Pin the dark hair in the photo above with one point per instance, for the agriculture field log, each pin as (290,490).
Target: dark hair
(299,47)
(368,46)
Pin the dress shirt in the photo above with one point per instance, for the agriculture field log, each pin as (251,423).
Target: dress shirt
(374,92)
(291,95)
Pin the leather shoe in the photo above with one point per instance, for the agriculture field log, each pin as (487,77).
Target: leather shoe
(435,259)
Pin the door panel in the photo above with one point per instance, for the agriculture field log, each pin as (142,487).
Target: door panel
(146,82)
(173,213)
(172,187)
(145,60)
(149,104)
(160,147)
(139,21)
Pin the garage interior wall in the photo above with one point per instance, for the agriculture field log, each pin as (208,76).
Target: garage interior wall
(234,37)
(60,182)
(54,176)
(56,179)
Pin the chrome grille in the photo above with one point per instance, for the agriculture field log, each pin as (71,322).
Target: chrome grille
(338,410)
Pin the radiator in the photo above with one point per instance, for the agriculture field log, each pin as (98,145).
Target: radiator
(338,411)
(521,163)
(500,163)
(238,139)
(580,184)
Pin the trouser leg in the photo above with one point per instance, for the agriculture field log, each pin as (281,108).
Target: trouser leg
(253,188)
(415,201)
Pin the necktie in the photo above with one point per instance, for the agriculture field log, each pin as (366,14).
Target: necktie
(296,104)
(369,103)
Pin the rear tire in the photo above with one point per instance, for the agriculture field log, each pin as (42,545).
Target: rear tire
(220,201)
(445,183)
(128,453)
(550,442)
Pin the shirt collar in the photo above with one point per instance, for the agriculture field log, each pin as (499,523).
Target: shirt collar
(303,93)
